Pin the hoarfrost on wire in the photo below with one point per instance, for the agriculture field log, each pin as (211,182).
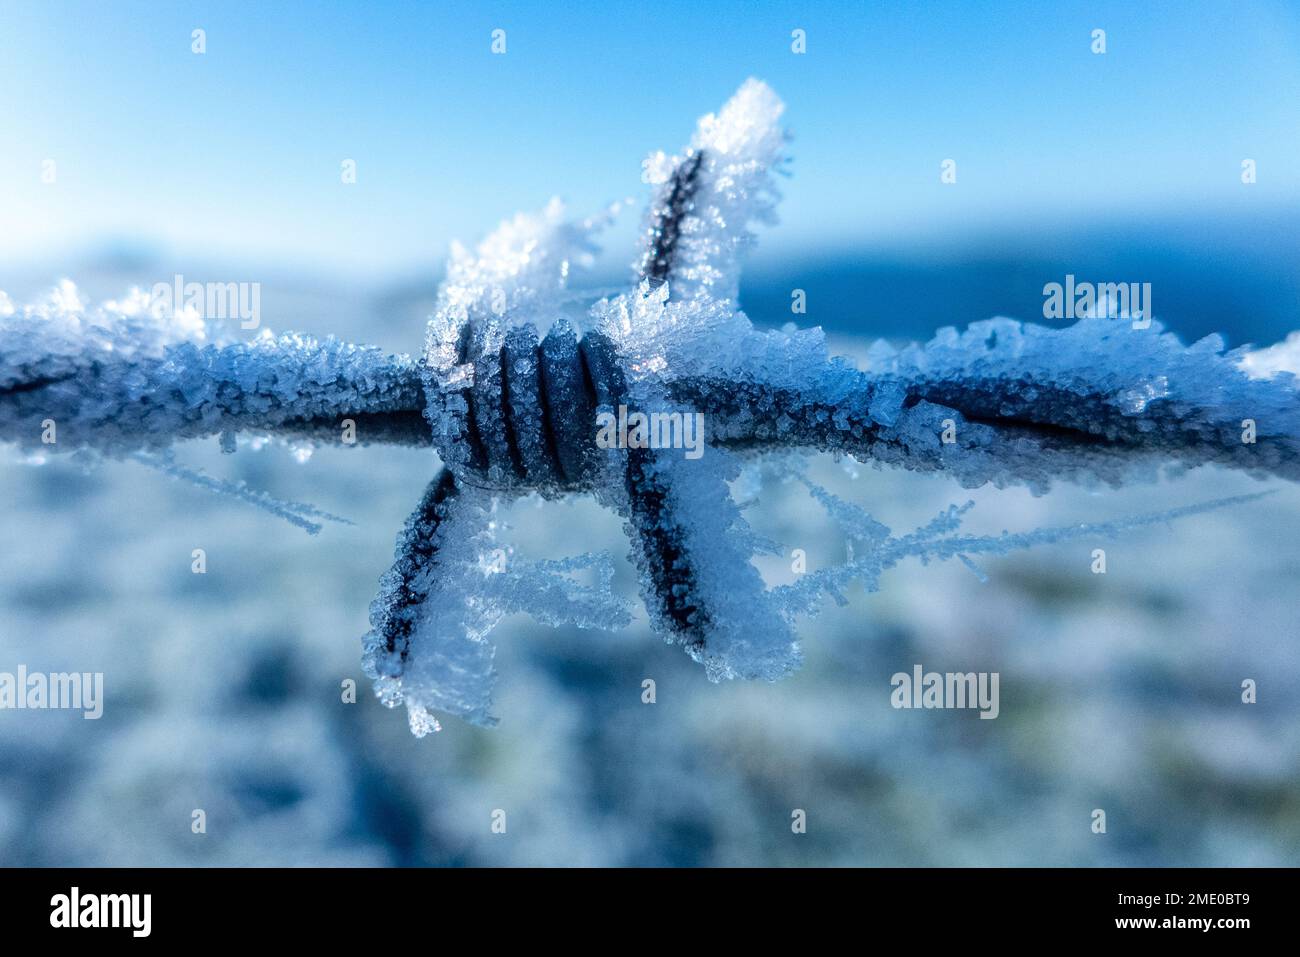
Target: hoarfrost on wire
(1001,402)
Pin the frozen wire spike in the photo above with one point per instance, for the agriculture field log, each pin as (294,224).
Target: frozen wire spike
(509,393)
(451,582)
(697,226)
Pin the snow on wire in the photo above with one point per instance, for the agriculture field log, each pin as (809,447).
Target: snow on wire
(507,392)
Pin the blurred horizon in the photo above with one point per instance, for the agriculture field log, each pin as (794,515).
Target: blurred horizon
(1208,276)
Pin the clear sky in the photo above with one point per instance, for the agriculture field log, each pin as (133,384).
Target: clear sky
(236,152)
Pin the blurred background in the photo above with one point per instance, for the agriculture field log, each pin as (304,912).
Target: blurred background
(1118,691)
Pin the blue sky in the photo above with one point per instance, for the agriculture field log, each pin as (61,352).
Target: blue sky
(236,153)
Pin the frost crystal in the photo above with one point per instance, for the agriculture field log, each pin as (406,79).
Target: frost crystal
(508,392)
(450,585)
(697,225)
(132,375)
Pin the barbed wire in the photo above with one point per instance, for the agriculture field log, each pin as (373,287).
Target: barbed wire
(509,393)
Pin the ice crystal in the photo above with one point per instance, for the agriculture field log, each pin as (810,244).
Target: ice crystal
(132,375)
(508,391)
